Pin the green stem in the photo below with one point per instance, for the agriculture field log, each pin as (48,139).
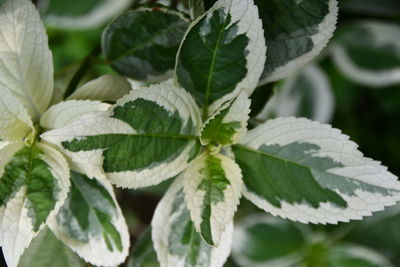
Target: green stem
(81,72)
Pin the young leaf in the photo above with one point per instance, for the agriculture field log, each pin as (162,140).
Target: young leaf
(46,250)
(228,124)
(295,32)
(368,53)
(307,94)
(63,113)
(262,240)
(309,172)
(33,185)
(175,239)
(143,254)
(222,53)
(15,122)
(91,222)
(145,138)
(196,8)
(86,15)
(26,63)
(143,43)
(106,88)
(213,186)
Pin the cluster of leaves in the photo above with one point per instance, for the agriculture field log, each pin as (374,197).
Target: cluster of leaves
(60,155)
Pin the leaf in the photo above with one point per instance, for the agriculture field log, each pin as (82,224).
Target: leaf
(26,64)
(146,137)
(15,122)
(106,88)
(46,250)
(307,94)
(308,172)
(228,123)
(91,222)
(65,112)
(33,185)
(86,15)
(367,53)
(222,53)
(213,186)
(295,33)
(262,240)
(143,254)
(142,43)
(175,239)
(196,8)
(347,255)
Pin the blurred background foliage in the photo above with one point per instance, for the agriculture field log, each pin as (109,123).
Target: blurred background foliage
(369,114)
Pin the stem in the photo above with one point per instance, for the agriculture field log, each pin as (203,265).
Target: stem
(81,72)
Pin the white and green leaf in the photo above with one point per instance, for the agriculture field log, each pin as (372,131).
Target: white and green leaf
(223,53)
(174,236)
(142,43)
(228,123)
(26,64)
(83,16)
(196,8)
(15,123)
(146,137)
(143,253)
(91,222)
(213,186)
(295,33)
(368,53)
(262,240)
(64,113)
(309,172)
(34,182)
(306,94)
(46,250)
(105,88)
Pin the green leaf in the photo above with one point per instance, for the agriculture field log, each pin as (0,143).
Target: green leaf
(33,185)
(295,33)
(91,222)
(367,53)
(174,236)
(309,172)
(228,123)
(213,186)
(262,240)
(85,15)
(143,43)
(307,94)
(146,137)
(47,251)
(143,253)
(222,53)
(196,8)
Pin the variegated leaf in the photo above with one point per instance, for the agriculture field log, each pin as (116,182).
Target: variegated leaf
(26,65)
(265,241)
(33,185)
(196,8)
(223,53)
(368,53)
(106,88)
(228,124)
(143,253)
(309,172)
(46,250)
(84,15)
(306,94)
(63,113)
(15,123)
(91,222)
(145,138)
(213,186)
(142,43)
(295,33)
(175,239)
